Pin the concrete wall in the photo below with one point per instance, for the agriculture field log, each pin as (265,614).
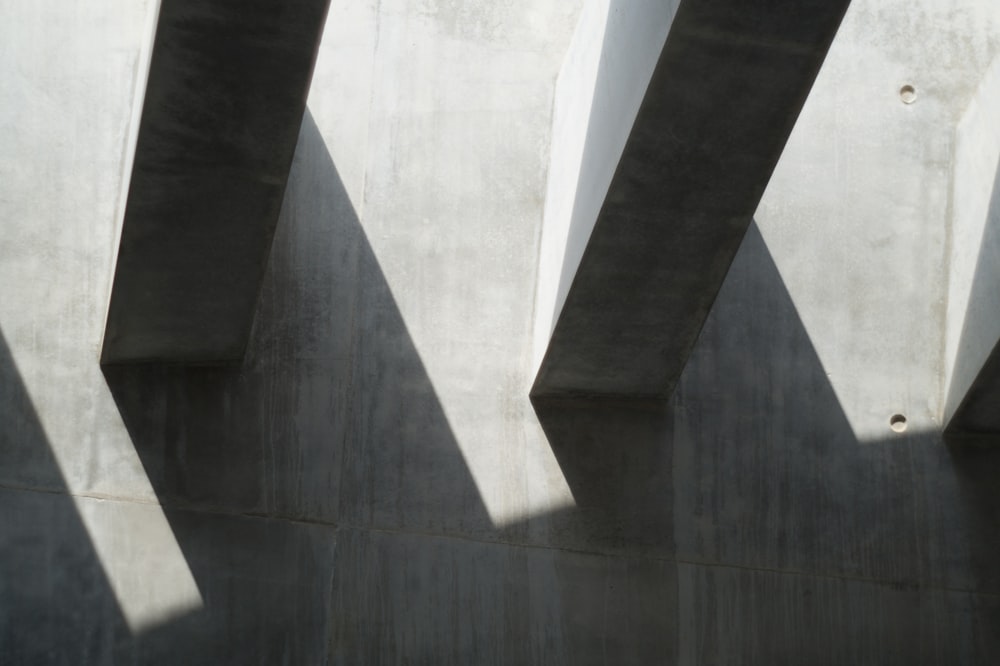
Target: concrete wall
(860,209)
(373,485)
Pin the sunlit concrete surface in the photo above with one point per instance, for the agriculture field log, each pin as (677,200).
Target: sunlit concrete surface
(145,567)
(77,444)
(440,77)
(972,401)
(131,538)
(865,212)
(372,485)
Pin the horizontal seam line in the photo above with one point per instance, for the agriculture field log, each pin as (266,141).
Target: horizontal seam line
(911,585)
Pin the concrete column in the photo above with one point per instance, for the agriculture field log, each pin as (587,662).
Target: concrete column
(621,305)
(226,92)
(972,370)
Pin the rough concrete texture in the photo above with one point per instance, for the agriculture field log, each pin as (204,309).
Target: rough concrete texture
(972,363)
(597,95)
(373,485)
(639,275)
(221,109)
(860,213)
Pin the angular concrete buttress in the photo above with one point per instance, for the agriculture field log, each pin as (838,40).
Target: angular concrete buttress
(972,355)
(721,102)
(225,97)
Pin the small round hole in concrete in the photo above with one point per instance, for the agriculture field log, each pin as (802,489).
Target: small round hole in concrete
(908,94)
(898,423)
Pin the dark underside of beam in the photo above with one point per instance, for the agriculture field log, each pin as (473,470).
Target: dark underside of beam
(722,101)
(224,101)
(977,419)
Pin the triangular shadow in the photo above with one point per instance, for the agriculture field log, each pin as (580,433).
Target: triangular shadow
(768,472)
(330,423)
(280,475)
(56,603)
(754,464)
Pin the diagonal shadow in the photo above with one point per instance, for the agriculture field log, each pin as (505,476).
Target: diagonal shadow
(768,472)
(767,469)
(808,495)
(892,537)
(977,417)
(333,426)
(616,456)
(331,421)
(755,463)
(969,473)
(56,604)
(300,487)
(331,402)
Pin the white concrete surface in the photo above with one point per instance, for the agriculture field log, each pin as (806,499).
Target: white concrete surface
(69,102)
(859,210)
(374,485)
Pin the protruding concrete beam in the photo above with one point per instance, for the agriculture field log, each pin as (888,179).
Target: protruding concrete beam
(225,97)
(722,100)
(977,418)
(972,354)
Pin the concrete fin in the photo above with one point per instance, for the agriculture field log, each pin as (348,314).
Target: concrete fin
(972,404)
(224,102)
(720,105)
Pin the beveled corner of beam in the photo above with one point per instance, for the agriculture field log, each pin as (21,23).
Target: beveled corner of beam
(225,97)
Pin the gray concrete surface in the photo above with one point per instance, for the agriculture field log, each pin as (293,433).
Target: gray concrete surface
(597,95)
(721,101)
(972,403)
(372,485)
(860,211)
(223,101)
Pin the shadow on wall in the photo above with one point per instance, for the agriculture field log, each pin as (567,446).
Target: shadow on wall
(56,605)
(766,475)
(330,421)
(326,441)
(325,510)
(977,418)
(331,432)
(616,458)
(330,402)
